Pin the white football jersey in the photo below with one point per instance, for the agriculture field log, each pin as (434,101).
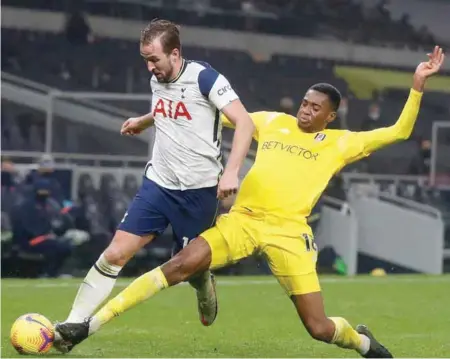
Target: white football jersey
(187,148)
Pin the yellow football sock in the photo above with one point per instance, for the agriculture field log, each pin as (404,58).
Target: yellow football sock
(139,290)
(345,336)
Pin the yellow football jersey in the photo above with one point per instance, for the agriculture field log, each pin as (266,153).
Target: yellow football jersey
(292,168)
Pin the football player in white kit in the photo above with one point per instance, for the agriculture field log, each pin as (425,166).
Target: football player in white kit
(182,182)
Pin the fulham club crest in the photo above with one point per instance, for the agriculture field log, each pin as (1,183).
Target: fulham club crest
(319,137)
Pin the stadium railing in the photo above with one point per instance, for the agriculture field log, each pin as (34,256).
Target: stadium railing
(111,116)
(71,159)
(410,204)
(376,179)
(56,105)
(82,98)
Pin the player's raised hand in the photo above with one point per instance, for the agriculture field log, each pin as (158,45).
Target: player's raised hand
(228,185)
(436,59)
(429,68)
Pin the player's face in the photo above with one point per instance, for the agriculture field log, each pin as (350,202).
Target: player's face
(158,62)
(315,112)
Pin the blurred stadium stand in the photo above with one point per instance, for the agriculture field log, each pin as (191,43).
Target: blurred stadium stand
(342,19)
(106,64)
(94,68)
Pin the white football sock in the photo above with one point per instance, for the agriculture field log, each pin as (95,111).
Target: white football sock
(365,345)
(96,287)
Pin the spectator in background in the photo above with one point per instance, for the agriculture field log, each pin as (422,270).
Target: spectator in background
(11,188)
(377,96)
(10,177)
(287,105)
(38,228)
(46,170)
(425,37)
(77,29)
(373,116)
(341,121)
(342,113)
(422,163)
(249,9)
(382,9)
(425,156)
(9,198)
(9,183)
(6,229)
(10,54)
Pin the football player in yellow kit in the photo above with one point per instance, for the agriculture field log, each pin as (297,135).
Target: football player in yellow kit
(296,158)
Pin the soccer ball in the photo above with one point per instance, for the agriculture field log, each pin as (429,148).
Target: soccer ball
(32,333)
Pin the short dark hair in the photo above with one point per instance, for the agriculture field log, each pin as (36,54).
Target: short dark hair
(332,92)
(167,31)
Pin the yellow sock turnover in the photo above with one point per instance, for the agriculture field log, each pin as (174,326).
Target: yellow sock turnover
(139,290)
(347,337)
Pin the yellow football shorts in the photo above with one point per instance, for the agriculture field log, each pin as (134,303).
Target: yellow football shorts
(292,259)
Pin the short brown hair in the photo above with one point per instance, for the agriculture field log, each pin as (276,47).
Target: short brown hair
(167,31)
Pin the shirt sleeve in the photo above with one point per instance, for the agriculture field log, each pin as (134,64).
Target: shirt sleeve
(260,119)
(216,88)
(356,145)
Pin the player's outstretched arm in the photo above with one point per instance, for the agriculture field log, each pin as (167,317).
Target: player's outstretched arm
(135,125)
(244,129)
(361,144)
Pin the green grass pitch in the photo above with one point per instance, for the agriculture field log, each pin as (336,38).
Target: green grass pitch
(409,314)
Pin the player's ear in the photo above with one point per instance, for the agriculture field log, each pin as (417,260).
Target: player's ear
(331,116)
(174,55)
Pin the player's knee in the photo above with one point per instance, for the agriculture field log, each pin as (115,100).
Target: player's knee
(177,270)
(123,247)
(320,329)
(116,253)
(181,267)
(115,256)
(193,259)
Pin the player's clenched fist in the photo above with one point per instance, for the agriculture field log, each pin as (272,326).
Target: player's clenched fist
(228,185)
